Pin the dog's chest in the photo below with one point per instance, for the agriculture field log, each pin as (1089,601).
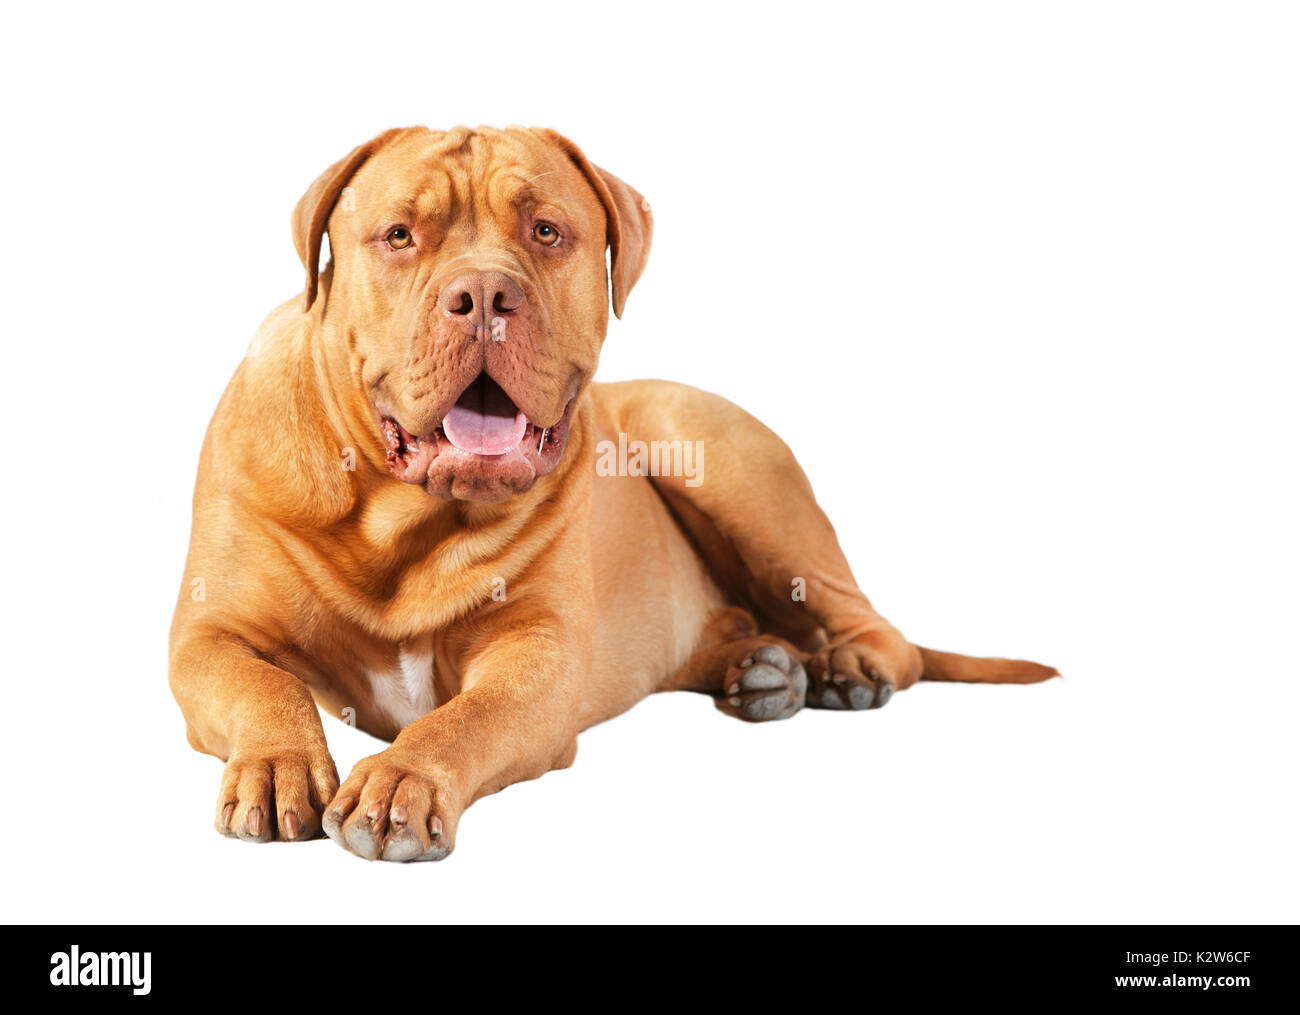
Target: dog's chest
(404,690)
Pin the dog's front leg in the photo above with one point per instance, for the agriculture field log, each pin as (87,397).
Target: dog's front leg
(516,719)
(262,722)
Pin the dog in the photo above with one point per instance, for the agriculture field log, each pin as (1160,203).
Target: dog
(416,509)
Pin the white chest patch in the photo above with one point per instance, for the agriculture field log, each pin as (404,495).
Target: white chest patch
(406,693)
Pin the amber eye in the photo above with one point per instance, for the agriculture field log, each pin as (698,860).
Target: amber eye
(546,234)
(399,238)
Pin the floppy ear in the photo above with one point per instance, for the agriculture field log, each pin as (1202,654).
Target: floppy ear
(314,208)
(628,221)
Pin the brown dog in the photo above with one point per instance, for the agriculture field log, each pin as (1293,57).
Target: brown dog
(415,508)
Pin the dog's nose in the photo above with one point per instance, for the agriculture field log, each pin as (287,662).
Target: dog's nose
(481,295)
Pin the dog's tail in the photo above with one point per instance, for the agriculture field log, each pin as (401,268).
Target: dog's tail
(938,665)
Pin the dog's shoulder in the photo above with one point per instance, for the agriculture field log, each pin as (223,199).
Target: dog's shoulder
(269,445)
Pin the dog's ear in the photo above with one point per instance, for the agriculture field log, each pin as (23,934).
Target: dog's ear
(313,210)
(628,221)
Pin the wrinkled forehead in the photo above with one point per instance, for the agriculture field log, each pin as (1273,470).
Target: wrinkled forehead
(447,173)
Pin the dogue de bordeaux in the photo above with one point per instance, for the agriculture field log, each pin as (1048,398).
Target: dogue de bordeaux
(415,508)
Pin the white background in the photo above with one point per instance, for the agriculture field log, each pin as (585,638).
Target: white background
(1017,282)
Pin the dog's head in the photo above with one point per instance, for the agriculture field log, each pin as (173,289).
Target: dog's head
(467,280)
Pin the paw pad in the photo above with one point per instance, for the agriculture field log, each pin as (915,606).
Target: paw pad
(765,685)
(849,677)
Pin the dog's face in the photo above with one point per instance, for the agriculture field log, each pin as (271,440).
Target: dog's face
(468,281)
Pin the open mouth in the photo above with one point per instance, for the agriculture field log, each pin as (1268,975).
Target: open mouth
(484,428)
(484,420)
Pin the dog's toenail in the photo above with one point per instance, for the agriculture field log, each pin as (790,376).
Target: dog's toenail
(397,815)
(773,655)
(340,810)
(733,701)
(291,824)
(733,689)
(435,826)
(255,821)
(839,678)
(746,663)
(226,813)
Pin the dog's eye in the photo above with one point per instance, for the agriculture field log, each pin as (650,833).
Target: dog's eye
(399,238)
(546,234)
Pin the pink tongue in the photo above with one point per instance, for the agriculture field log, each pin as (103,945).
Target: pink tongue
(485,421)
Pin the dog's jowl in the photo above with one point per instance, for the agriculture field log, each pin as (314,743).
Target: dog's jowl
(400,516)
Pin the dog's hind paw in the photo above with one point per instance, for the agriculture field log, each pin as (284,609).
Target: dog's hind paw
(862,672)
(764,685)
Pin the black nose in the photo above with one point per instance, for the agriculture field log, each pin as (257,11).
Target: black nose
(481,295)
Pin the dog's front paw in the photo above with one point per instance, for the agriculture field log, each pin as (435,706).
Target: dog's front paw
(275,794)
(387,810)
(863,671)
